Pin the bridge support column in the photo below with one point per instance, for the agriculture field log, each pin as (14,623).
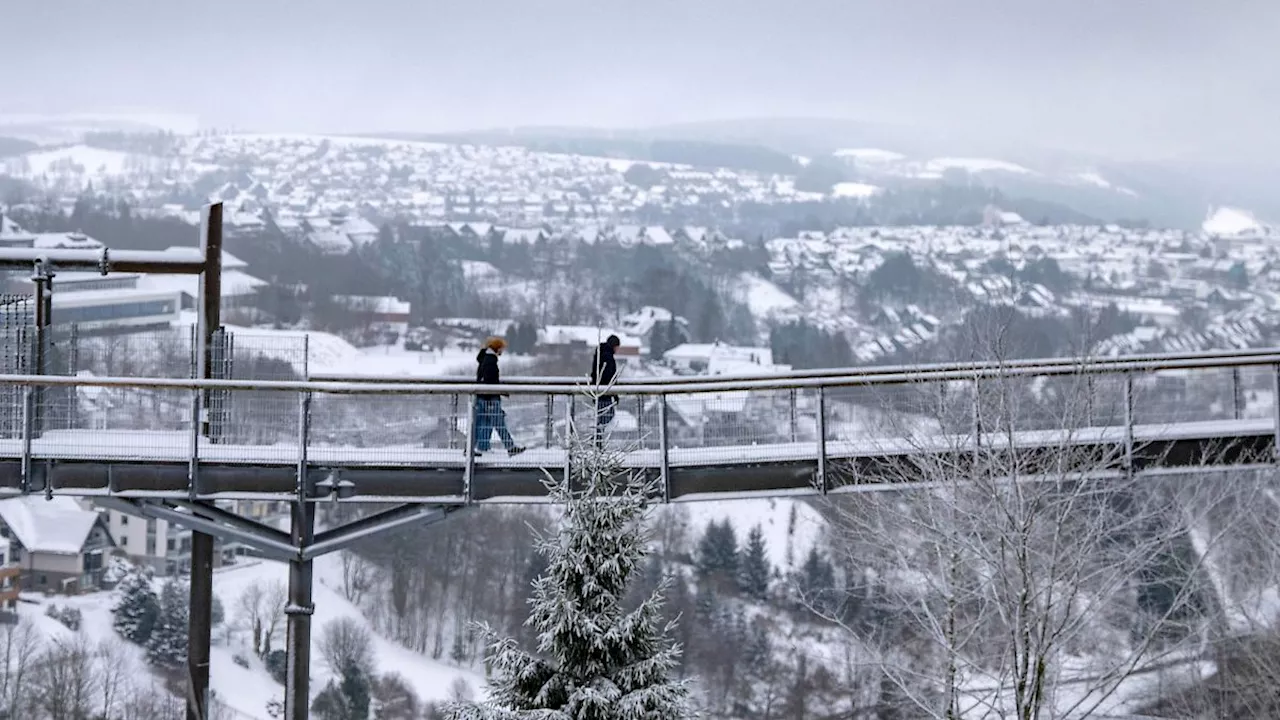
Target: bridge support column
(297,698)
(200,629)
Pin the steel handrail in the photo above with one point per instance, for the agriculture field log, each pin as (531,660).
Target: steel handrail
(870,370)
(658,387)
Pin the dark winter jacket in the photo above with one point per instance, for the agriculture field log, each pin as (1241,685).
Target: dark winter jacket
(487,371)
(603,367)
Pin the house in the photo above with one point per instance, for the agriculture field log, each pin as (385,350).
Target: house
(584,338)
(656,326)
(720,359)
(165,548)
(59,545)
(379,313)
(10,578)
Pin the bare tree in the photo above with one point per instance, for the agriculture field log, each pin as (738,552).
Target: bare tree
(65,680)
(1007,584)
(251,607)
(356,577)
(345,643)
(21,644)
(147,699)
(261,608)
(275,601)
(114,668)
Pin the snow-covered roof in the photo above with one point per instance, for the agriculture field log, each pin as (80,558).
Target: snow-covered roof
(569,334)
(705,352)
(58,526)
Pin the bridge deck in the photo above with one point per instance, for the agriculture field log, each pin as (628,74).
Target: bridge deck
(156,464)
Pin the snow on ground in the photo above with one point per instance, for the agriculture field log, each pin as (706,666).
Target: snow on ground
(854,190)
(870,156)
(1231,221)
(249,690)
(763,298)
(1093,178)
(89,161)
(973,165)
(773,515)
(339,140)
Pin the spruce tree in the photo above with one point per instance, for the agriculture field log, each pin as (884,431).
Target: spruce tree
(754,570)
(593,661)
(717,559)
(167,647)
(136,611)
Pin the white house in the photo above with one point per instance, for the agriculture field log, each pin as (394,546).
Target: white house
(164,547)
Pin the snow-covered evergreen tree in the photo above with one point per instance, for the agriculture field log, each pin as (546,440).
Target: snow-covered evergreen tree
(167,647)
(717,559)
(136,610)
(753,568)
(593,660)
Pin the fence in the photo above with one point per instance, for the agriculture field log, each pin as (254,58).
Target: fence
(282,421)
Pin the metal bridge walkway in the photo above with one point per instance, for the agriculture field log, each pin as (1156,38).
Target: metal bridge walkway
(383,441)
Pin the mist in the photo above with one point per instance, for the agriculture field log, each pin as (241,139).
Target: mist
(1129,80)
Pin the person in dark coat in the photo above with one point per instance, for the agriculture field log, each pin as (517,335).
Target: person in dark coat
(604,369)
(489,413)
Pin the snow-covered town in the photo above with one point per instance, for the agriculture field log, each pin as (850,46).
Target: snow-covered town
(916,385)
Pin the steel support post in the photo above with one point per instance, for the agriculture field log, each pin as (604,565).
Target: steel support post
(1275,411)
(791,394)
(664,449)
(297,694)
(1237,396)
(28,413)
(42,277)
(453,421)
(473,406)
(200,629)
(822,440)
(568,435)
(549,427)
(1128,423)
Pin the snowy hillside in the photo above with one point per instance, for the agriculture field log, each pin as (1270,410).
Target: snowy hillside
(239,680)
(1233,222)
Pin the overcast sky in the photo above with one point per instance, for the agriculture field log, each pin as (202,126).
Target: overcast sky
(1125,77)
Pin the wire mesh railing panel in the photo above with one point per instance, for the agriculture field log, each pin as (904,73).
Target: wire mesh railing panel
(268,420)
(707,426)
(385,429)
(164,353)
(1182,396)
(259,356)
(17,335)
(866,413)
(1257,393)
(113,422)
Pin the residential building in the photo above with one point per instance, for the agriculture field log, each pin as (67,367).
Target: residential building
(164,547)
(584,338)
(10,578)
(59,545)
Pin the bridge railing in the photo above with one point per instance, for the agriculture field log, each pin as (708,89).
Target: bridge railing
(708,421)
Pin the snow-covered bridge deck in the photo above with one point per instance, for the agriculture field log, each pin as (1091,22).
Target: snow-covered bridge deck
(810,433)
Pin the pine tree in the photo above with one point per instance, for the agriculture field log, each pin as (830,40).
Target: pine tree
(167,647)
(593,661)
(816,582)
(135,613)
(754,570)
(717,559)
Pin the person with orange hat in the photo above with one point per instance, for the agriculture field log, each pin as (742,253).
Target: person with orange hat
(489,413)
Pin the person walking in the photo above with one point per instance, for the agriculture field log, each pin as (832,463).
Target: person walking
(489,413)
(604,369)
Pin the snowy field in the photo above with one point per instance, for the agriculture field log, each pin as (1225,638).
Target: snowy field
(249,690)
